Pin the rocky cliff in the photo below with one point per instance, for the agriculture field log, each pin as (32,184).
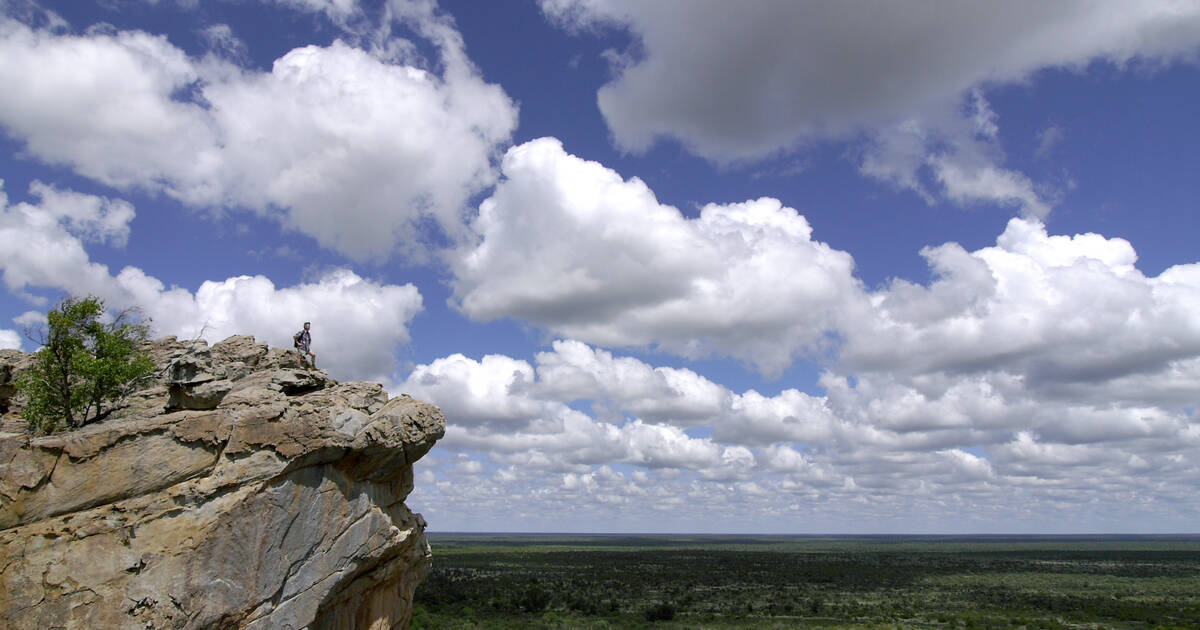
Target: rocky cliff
(241,491)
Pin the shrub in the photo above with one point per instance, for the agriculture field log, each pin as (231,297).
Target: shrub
(664,611)
(535,599)
(584,604)
(85,368)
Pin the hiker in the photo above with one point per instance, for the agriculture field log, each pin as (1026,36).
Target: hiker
(302,341)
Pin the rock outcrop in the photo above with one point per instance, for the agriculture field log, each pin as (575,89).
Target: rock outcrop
(241,491)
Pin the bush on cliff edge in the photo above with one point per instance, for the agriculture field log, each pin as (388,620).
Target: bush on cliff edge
(85,368)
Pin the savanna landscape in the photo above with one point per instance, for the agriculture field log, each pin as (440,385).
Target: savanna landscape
(718,582)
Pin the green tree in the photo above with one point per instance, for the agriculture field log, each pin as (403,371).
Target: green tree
(85,368)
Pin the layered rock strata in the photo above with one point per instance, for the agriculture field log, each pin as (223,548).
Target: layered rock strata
(243,490)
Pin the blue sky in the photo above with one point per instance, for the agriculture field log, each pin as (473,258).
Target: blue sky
(674,266)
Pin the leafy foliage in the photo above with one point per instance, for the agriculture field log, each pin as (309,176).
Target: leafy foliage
(85,368)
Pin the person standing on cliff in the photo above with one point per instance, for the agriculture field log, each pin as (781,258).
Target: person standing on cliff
(302,341)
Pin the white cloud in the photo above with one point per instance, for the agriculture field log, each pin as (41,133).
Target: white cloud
(897,155)
(1056,336)
(222,41)
(359,151)
(983,116)
(658,446)
(576,371)
(9,340)
(42,245)
(1048,139)
(932,389)
(335,10)
(964,184)
(956,154)
(102,104)
(503,405)
(984,443)
(572,247)
(1028,451)
(333,142)
(1049,308)
(30,319)
(732,81)
(1046,368)
(92,218)
(619,386)
(969,466)
(357,323)
(495,390)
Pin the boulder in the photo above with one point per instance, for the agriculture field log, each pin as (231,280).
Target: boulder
(206,395)
(294,382)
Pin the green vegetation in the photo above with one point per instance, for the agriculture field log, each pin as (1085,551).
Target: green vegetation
(85,368)
(725,582)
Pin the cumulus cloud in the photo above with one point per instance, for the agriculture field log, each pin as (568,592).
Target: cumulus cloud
(1036,366)
(637,413)
(494,390)
(970,467)
(1055,336)
(43,244)
(576,371)
(732,81)
(354,151)
(1042,345)
(997,455)
(9,340)
(1051,308)
(39,249)
(870,440)
(102,104)
(569,245)
(357,323)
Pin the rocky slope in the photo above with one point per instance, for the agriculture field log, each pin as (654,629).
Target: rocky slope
(241,491)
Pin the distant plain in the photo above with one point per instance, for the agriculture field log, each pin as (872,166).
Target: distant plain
(532,581)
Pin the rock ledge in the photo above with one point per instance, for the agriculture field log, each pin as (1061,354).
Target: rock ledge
(243,490)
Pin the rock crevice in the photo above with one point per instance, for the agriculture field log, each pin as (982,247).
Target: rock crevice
(242,490)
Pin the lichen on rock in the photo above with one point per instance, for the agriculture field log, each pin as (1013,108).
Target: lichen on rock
(241,490)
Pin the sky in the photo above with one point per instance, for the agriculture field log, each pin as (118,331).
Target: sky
(684,266)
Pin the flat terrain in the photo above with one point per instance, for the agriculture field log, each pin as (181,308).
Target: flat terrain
(666,581)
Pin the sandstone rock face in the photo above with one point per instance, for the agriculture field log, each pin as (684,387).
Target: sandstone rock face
(241,491)
(10,362)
